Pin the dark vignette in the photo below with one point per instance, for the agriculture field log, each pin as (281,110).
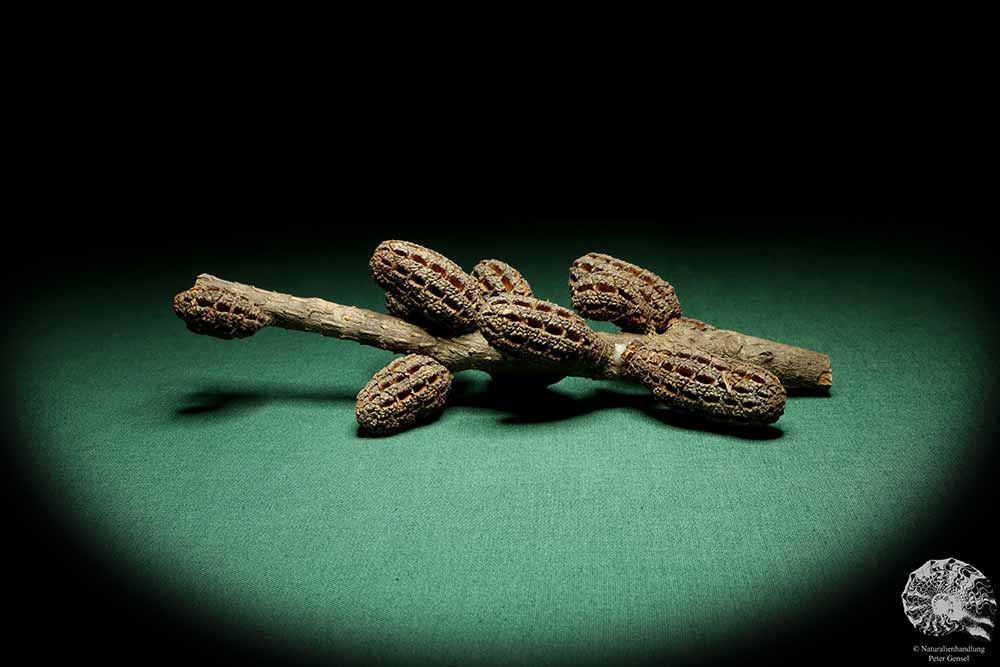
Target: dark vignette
(70,599)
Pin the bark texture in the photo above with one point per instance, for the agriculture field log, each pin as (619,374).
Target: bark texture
(798,369)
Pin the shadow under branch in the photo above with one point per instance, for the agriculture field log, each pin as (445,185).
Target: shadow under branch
(525,405)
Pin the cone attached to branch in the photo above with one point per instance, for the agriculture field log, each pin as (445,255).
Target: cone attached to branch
(427,286)
(496,277)
(691,381)
(607,289)
(409,390)
(522,341)
(540,331)
(215,313)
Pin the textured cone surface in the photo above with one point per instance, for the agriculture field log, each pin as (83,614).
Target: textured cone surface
(207,310)
(431,288)
(407,391)
(496,277)
(397,308)
(537,330)
(608,289)
(692,381)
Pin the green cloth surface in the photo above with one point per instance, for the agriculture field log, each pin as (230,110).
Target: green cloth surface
(230,476)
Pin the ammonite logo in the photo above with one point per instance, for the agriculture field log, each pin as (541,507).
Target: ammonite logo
(946,596)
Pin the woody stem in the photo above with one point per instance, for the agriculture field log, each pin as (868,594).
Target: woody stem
(797,368)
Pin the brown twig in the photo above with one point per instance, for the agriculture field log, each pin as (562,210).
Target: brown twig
(797,368)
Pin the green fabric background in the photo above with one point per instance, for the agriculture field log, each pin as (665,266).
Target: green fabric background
(229,475)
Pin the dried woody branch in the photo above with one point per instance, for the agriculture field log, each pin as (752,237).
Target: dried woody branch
(450,321)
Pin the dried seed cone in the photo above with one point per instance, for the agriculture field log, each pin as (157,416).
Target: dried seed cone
(209,311)
(608,289)
(537,330)
(496,277)
(407,391)
(695,382)
(430,288)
